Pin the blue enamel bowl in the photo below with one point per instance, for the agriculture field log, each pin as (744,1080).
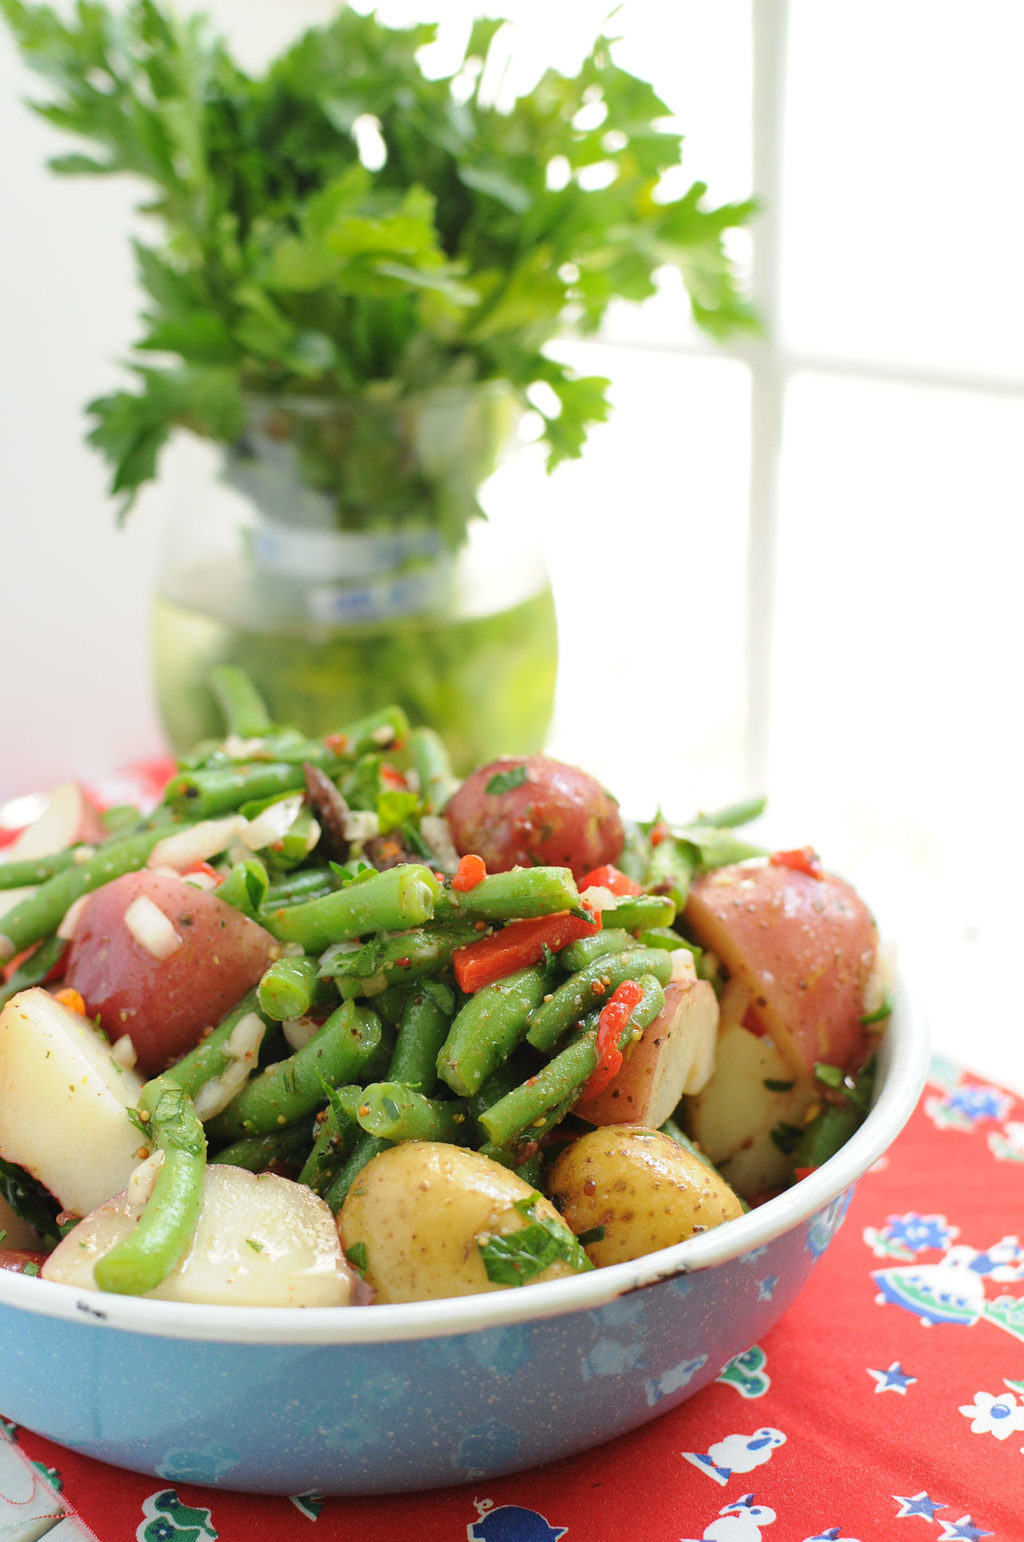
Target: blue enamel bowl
(389,1398)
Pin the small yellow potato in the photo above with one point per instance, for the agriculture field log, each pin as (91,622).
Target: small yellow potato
(643,1188)
(418,1215)
(64,1102)
(261,1241)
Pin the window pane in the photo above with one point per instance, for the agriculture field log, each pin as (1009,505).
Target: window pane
(646,539)
(896,725)
(903,224)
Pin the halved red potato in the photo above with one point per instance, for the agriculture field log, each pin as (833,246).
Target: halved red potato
(804,946)
(176,965)
(535,811)
(676,1055)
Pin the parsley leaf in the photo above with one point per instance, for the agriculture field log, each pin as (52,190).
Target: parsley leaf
(518,1257)
(506,781)
(356,1256)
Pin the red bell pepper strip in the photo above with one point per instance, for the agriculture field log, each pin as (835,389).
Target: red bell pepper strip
(803,859)
(611,878)
(516,946)
(610,1027)
(470,871)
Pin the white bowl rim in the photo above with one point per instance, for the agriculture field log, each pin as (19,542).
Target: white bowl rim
(903,1066)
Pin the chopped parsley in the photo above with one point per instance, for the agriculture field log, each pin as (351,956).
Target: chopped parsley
(831,1075)
(776,1086)
(507,781)
(519,1256)
(595,1234)
(251,1242)
(356,1256)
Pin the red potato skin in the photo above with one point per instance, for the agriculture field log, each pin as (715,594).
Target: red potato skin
(559,816)
(16,1260)
(804,945)
(164,1004)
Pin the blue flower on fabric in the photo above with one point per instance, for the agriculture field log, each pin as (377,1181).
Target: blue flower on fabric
(920,1232)
(979,1102)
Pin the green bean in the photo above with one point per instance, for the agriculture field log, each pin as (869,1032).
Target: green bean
(42,912)
(243,708)
(34,870)
(303,884)
(290,987)
(291,1088)
(734,813)
(391,901)
(664,937)
(263,1153)
(222,789)
(424,1028)
(585,949)
(489,1026)
(337,1131)
(376,731)
(34,969)
(588,986)
(399,1113)
(519,1065)
(518,893)
(387,961)
(164,1230)
(365,1149)
(433,768)
(533,1108)
(671,868)
(640,910)
(211,1056)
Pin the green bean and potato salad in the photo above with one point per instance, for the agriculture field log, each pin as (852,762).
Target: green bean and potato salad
(329,1027)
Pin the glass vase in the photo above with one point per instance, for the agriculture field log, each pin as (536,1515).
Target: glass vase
(336,553)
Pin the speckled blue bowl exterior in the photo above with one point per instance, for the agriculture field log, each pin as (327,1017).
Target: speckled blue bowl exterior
(330,1401)
(380,1417)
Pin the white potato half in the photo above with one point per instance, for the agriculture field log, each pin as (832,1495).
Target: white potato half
(64,1102)
(753,1089)
(261,1241)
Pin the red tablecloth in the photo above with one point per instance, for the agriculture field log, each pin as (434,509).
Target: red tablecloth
(888,1404)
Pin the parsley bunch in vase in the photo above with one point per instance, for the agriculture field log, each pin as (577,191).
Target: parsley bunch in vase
(356,269)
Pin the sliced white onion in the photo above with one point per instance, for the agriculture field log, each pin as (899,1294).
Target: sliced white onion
(206,881)
(143,1180)
(299,1030)
(197,843)
(243,1046)
(151,928)
(124,1052)
(69,925)
(435,831)
(238,748)
(683,967)
(336,948)
(360,824)
(273,823)
(599,898)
